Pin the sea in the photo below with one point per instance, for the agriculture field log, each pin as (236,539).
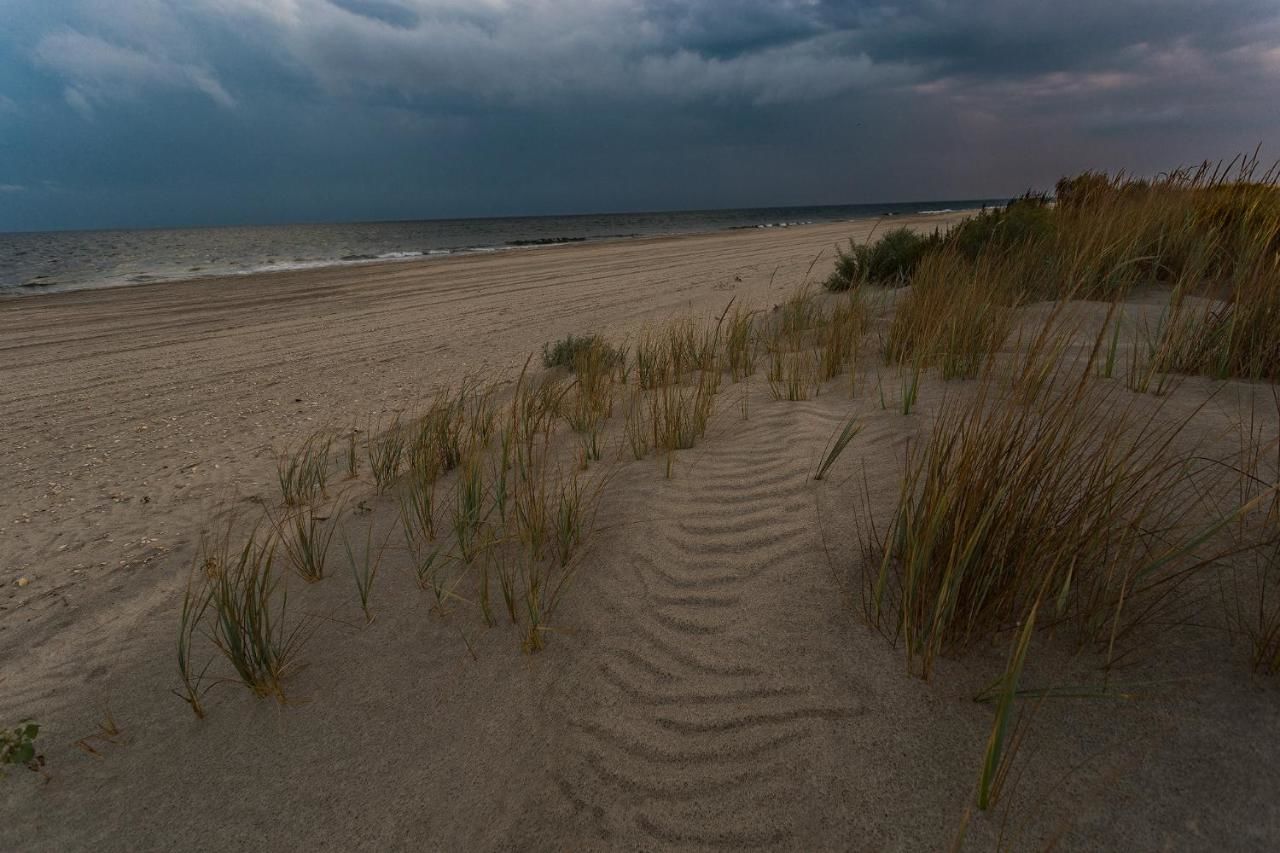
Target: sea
(43,262)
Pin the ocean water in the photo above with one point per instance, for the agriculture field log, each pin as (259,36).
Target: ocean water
(41,262)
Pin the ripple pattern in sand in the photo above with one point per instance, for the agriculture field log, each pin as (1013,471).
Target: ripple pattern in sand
(706,719)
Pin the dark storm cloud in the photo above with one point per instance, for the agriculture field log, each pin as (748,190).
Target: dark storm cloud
(150,111)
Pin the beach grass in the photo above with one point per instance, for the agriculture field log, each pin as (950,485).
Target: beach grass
(1075,496)
(305,536)
(249,610)
(303,472)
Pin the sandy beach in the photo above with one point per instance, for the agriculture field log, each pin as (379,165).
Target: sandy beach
(137,411)
(710,681)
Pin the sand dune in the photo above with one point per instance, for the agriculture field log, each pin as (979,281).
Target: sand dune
(709,682)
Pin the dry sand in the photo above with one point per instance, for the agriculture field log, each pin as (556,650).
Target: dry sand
(709,683)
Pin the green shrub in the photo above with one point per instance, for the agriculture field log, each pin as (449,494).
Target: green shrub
(850,267)
(891,259)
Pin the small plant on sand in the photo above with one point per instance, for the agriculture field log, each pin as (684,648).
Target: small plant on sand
(107,733)
(303,473)
(18,746)
(836,445)
(364,567)
(195,601)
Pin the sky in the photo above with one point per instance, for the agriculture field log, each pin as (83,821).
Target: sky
(142,113)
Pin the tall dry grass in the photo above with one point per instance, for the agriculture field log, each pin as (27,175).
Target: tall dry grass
(1077,498)
(956,315)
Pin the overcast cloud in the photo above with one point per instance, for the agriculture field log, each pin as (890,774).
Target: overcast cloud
(152,112)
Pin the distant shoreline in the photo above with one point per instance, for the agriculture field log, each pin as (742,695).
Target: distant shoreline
(23,293)
(50,264)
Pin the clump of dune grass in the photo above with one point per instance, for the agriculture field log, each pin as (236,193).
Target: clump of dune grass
(1256,604)
(652,358)
(543,582)
(1253,599)
(1232,334)
(305,535)
(573,506)
(385,450)
(678,374)
(955,316)
(741,344)
(469,506)
(794,375)
(249,609)
(679,414)
(809,341)
(418,494)
(635,425)
(566,351)
(791,340)
(526,445)
(517,521)
(841,335)
(589,401)
(303,472)
(1073,498)
(1211,230)
(673,352)
(429,565)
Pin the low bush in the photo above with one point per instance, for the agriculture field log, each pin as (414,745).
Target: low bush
(890,260)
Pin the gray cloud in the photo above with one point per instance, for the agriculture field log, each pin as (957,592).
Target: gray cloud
(96,69)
